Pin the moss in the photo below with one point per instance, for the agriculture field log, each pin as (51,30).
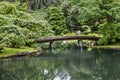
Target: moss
(108,47)
(13,51)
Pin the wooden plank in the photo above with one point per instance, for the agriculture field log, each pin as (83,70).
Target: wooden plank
(60,38)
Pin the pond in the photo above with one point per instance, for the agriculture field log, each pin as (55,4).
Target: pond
(64,64)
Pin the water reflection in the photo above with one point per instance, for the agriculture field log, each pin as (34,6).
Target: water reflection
(61,75)
(69,65)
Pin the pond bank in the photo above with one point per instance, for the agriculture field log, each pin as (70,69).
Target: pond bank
(108,47)
(16,52)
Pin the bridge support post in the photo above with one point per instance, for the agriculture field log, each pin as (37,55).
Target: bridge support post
(80,44)
(51,45)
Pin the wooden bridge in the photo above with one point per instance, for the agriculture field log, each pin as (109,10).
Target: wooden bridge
(61,38)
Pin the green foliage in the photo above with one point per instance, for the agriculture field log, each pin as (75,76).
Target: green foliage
(111,33)
(4,20)
(86,29)
(56,19)
(71,14)
(88,16)
(36,28)
(12,36)
(7,8)
(23,15)
(95,13)
(22,6)
(105,40)
(27,30)
(18,28)
(1,48)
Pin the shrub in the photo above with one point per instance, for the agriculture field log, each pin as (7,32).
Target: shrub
(4,20)
(12,36)
(110,33)
(7,8)
(105,40)
(56,19)
(18,28)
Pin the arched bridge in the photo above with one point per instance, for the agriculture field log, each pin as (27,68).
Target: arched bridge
(61,38)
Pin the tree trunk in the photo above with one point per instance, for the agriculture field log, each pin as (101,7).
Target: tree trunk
(29,4)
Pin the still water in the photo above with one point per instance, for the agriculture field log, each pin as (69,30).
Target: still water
(64,64)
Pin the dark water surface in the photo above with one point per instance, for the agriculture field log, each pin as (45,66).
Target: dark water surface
(64,64)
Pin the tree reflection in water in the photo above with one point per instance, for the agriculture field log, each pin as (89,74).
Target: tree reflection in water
(94,65)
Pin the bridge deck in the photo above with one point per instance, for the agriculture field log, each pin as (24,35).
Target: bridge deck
(60,38)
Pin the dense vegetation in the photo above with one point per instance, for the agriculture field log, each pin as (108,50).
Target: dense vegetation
(23,20)
(18,27)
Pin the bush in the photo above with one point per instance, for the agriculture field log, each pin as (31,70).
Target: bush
(12,36)
(7,8)
(56,19)
(105,40)
(22,6)
(14,40)
(110,33)
(4,20)
(23,15)
(1,49)
(18,28)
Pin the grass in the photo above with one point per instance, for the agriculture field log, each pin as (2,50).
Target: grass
(90,34)
(71,34)
(13,51)
(95,34)
(109,47)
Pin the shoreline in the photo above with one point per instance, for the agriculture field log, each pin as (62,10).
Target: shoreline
(15,52)
(20,54)
(36,52)
(115,47)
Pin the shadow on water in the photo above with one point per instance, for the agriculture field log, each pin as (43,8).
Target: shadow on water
(64,64)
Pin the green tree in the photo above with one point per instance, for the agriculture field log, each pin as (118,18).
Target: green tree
(56,19)
(12,36)
(18,27)
(94,14)
(109,26)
